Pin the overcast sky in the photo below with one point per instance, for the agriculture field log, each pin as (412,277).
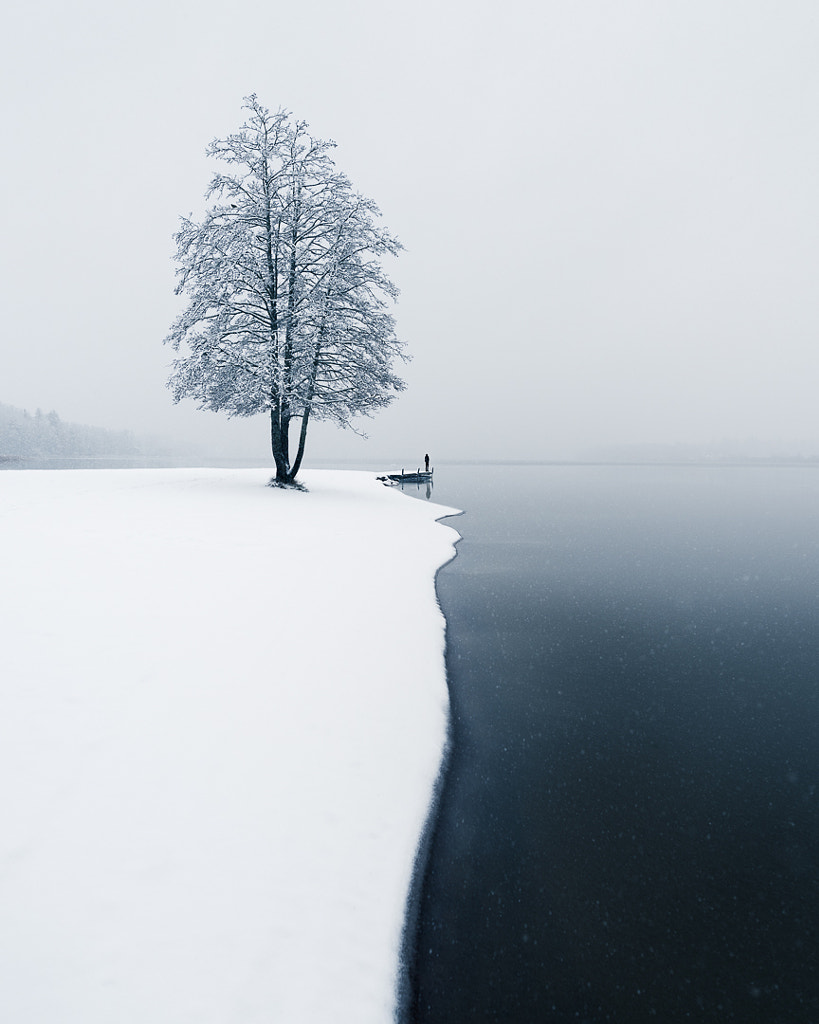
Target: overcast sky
(610,208)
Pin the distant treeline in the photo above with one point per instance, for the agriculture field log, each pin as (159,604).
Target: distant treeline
(45,436)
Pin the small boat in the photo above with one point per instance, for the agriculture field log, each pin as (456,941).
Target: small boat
(420,476)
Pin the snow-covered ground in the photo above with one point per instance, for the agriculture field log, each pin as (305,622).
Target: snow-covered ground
(222,712)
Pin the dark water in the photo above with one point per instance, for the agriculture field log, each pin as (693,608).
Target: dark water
(629,828)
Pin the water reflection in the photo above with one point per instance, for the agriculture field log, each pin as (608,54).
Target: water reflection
(416,488)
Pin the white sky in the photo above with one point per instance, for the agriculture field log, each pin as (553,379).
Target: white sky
(609,208)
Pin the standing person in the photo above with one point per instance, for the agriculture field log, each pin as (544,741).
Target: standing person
(426,463)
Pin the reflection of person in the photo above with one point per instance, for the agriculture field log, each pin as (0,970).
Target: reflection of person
(426,463)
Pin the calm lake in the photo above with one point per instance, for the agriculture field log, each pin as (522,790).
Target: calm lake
(629,825)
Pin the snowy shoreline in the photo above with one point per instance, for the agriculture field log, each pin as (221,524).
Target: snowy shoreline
(223,714)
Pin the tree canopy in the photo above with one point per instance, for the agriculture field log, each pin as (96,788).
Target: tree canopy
(288,301)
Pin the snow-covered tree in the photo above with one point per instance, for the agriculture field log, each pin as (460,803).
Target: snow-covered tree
(288,300)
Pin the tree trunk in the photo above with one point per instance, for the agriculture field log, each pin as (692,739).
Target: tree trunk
(305,416)
(279,443)
(308,405)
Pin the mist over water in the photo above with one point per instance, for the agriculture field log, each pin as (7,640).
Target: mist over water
(629,828)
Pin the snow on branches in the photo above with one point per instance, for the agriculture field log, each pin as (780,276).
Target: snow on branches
(287,299)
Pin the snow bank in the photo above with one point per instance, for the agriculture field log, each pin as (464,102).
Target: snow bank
(222,712)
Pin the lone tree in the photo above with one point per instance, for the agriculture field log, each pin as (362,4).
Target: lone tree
(287,308)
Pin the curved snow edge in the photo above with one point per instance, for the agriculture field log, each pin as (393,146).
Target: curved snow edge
(223,715)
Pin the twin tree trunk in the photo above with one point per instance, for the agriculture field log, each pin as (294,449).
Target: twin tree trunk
(280,445)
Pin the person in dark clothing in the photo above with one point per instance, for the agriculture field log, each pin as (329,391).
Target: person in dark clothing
(426,463)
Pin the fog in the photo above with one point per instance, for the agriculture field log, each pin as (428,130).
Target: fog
(609,210)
